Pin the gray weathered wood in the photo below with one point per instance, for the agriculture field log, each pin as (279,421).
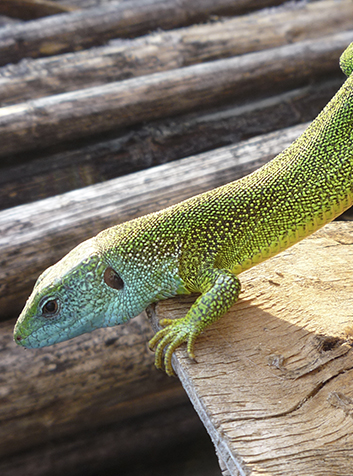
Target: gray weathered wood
(34,236)
(272,381)
(70,116)
(161,51)
(157,143)
(68,31)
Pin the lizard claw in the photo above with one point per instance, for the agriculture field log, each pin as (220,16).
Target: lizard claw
(221,291)
(175,333)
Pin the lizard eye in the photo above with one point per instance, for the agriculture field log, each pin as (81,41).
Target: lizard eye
(50,308)
(112,279)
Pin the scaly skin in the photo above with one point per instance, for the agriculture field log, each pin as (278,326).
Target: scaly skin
(201,244)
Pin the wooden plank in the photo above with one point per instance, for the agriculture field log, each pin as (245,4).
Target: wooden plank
(161,51)
(273,378)
(156,143)
(68,31)
(34,236)
(74,115)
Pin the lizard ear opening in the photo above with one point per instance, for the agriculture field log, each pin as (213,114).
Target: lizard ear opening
(112,279)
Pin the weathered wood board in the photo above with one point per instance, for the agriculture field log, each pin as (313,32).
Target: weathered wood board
(273,382)
(75,115)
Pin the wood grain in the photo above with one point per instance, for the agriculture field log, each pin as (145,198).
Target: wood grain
(68,31)
(161,51)
(273,378)
(156,143)
(71,116)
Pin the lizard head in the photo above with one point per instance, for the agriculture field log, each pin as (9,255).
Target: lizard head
(78,294)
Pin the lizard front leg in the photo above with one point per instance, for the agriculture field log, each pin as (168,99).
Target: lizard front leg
(219,290)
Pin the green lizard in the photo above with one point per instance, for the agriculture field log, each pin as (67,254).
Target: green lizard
(201,244)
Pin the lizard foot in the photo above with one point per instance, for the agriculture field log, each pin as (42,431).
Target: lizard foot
(220,290)
(175,332)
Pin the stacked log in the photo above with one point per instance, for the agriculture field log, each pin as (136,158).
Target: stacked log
(99,128)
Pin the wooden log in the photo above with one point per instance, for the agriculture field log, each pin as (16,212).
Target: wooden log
(34,236)
(61,398)
(71,116)
(169,50)
(272,381)
(31,9)
(68,31)
(156,143)
(93,403)
(140,446)
(7,21)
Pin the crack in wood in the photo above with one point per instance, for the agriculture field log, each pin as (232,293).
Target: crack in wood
(317,364)
(337,398)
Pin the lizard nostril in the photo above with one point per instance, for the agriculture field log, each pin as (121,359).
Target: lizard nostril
(18,338)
